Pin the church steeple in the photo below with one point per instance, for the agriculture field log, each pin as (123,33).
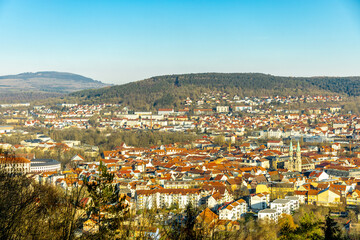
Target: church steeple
(298,147)
(298,162)
(291,158)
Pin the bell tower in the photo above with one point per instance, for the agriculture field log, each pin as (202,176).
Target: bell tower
(291,158)
(298,163)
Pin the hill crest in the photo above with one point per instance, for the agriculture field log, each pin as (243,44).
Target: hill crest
(30,86)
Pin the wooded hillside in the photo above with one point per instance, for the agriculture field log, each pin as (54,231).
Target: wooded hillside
(170,90)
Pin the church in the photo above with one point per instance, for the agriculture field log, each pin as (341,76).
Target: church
(294,163)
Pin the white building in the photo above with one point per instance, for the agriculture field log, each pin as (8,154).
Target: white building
(160,198)
(242,108)
(44,165)
(294,202)
(222,109)
(282,206)
(165,111)
(274,133)
(301,196)
(6,129)
(259,201)
(268,215)
(14,164)
(233,211)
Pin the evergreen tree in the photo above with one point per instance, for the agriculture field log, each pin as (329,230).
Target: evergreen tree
(331,229)
(106,207)
(185,228)
(309,227)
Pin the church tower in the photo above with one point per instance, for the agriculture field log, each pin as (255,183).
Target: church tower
(291,158)
(275,163)
(298,163)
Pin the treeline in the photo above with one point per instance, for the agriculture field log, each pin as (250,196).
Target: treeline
(109,139)
(19,96)
(170,90)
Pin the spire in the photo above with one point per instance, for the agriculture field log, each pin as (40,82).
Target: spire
(298,162)
(291,147)
(298,147)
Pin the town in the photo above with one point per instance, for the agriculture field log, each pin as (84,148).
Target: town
(259,158)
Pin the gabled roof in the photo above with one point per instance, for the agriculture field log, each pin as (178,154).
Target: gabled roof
(207,216)
(234,204)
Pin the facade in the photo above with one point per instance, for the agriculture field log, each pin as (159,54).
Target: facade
(274,133)
(295,163)
(282,206)
(280,189)
(242,108)
(294,202)
(222,109)
(44,165)
(18,165)
(312,196)
(259,201)
(202,111)
(302,196)
(215,200)
(6,129)
(353,198)
(328,197)
(268,215)
(233,211)
(165,111)
(162,198)
(179,184)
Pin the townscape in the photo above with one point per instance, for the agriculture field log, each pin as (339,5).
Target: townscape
(258,159)
(180,120)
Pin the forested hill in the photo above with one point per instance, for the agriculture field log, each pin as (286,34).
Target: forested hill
(170,90)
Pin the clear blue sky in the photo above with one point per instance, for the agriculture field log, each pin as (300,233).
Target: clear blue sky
(122,41)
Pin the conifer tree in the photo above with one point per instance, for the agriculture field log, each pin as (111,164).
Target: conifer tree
(331,229)
(107,207)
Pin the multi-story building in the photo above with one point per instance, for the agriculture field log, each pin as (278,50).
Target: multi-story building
(222,109)
(17,165)
(160,198)
(268,215)
(234,210)
(259,201)
(44,165)
(282,206)
(353,198)
(294,202)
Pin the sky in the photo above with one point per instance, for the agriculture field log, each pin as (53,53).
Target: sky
(123,41)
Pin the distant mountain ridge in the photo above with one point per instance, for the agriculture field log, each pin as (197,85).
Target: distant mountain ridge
(171,90)
(47,81)
(40,85)
(49,74)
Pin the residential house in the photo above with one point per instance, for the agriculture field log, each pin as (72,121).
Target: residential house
(353,198)
(328,197)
